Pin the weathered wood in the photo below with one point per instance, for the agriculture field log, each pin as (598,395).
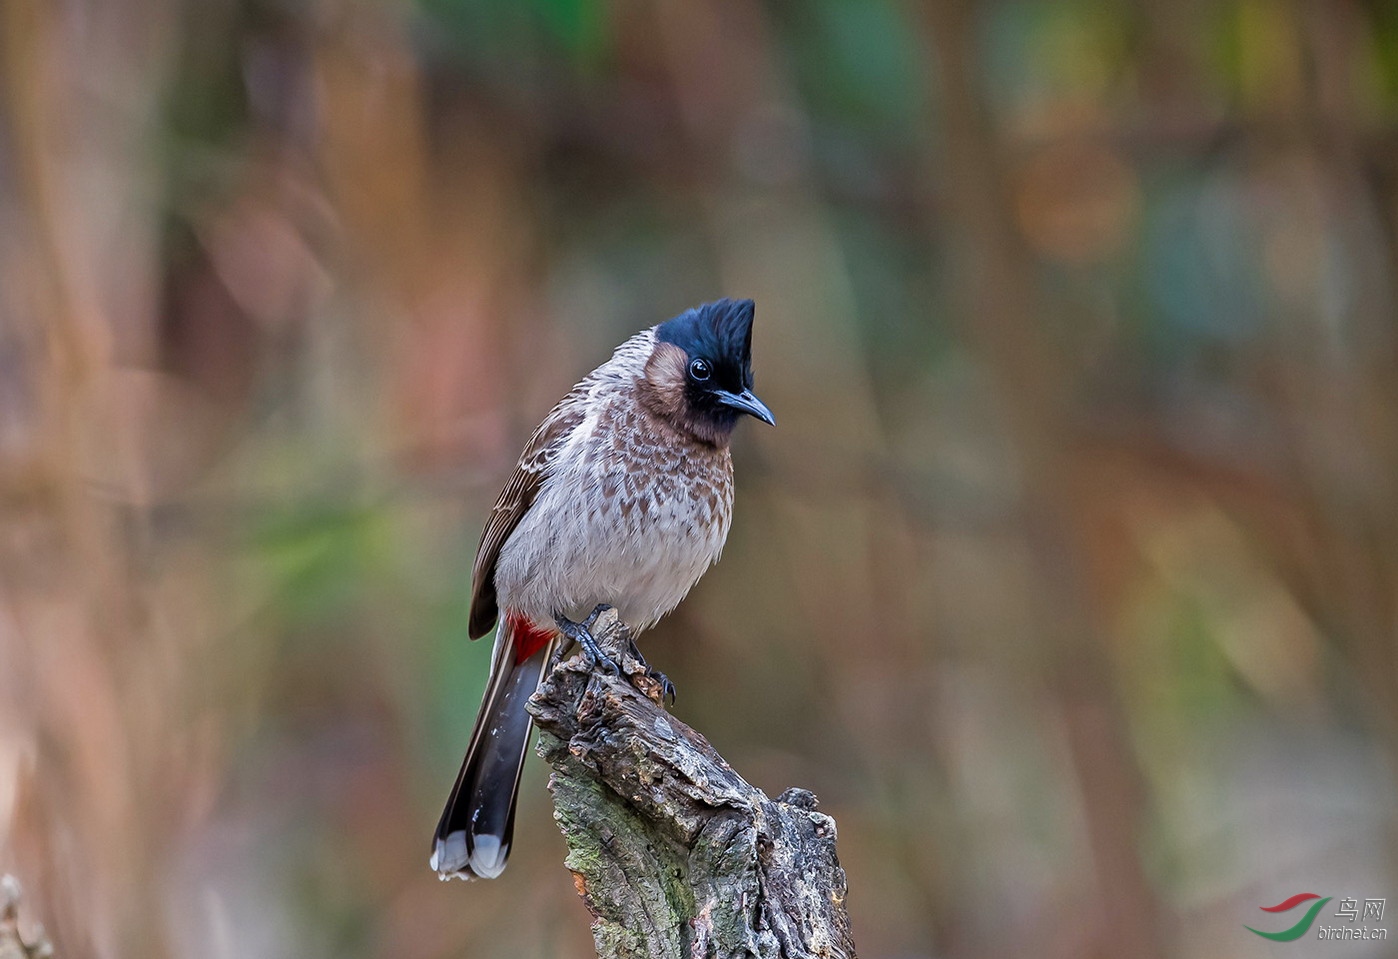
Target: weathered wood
(673,853)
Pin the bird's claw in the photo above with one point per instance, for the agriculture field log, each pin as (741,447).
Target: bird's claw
(593,654)
(667,688)
(581,633)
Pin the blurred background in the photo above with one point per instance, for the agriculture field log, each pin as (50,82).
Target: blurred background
(1068,581)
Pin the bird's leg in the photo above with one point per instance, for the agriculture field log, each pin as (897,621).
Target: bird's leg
(581,633)
(667,688)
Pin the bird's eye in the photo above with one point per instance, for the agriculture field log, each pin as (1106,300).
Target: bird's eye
(699,369)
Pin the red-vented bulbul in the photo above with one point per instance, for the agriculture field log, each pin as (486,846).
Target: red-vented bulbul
(622,498)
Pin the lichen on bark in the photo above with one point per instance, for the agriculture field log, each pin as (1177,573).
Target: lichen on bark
(674,854)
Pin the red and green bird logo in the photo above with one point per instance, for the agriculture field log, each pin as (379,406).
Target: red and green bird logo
(1303,926)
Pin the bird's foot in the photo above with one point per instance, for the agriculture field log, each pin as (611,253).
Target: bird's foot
(595,656)
(581,633)
(667,688)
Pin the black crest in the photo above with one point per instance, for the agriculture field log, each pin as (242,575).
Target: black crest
(720,332)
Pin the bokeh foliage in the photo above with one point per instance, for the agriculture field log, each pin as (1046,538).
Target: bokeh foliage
(1067,580)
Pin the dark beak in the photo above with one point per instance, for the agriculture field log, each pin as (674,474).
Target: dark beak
(745,402)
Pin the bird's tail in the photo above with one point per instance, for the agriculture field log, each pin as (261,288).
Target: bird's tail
(473,838)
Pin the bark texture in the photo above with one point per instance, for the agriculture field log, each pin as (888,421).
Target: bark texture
(673,853)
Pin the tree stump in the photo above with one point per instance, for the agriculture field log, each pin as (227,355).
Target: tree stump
(674,854)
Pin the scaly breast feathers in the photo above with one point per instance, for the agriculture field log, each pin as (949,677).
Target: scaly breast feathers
(631,523)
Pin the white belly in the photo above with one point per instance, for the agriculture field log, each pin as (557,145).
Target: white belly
(599,532)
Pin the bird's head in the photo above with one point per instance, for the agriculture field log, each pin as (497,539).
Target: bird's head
(699,377)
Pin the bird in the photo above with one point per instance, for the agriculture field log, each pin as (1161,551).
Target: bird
(622,498)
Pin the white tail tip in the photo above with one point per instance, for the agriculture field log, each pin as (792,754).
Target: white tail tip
(485,858)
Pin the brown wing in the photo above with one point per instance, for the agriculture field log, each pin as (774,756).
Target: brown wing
(515,499)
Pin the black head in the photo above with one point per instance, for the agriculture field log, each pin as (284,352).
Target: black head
(716,380)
